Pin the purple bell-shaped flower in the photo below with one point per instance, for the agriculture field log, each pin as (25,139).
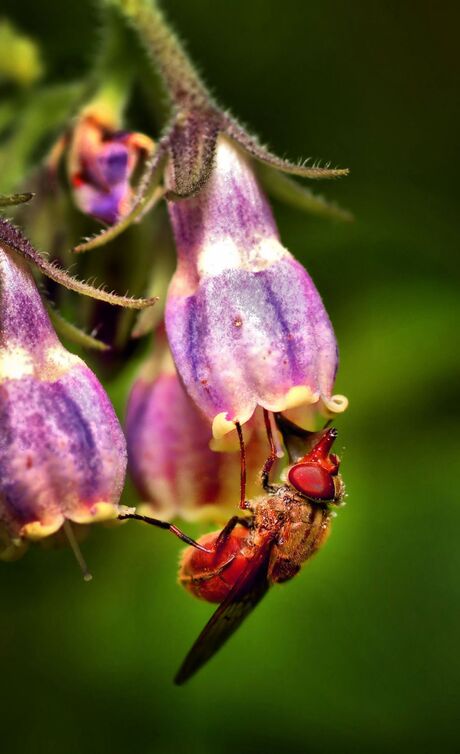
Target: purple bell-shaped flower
(62,450)
(245,322)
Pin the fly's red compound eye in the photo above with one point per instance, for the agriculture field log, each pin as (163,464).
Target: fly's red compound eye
(313,481)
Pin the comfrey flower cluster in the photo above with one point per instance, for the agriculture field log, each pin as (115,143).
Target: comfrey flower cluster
(240,333)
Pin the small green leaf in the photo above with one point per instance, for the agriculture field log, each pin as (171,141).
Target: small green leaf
(12,200)
(70,331)
(12,237)
(289,191)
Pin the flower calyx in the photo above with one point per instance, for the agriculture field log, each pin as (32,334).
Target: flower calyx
(190,138)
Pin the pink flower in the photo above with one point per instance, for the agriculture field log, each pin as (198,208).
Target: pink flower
(170,459)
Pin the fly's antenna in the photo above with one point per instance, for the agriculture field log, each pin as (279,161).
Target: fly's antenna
(75,547)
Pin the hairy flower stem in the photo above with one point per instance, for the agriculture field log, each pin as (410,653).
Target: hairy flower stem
(183,84)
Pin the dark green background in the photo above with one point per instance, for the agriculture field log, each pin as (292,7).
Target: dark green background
(360,652)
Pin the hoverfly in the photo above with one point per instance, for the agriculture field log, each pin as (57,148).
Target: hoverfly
(280,531)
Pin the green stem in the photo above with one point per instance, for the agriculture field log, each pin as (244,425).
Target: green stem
(182,82)
(114,71)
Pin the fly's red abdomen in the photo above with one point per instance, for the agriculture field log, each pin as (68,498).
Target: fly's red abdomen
(211,576)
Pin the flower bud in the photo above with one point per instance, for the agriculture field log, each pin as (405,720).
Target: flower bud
(170,459)
(62,450)
(245,322)
(101,163)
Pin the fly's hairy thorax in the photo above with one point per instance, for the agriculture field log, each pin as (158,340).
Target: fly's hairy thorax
(298,527)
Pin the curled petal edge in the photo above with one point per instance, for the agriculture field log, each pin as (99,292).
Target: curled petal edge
(299,395)
(334,405)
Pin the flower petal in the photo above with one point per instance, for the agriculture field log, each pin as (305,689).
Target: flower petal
(62,451)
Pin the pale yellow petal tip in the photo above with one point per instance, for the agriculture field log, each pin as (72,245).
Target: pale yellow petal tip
(299,395)
(227,444)
(165,512)
(217,514)
(37,530)
(221,426)
(336,404)
(125,510)
(93,514)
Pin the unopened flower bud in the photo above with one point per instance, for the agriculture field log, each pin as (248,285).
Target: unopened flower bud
(101,162)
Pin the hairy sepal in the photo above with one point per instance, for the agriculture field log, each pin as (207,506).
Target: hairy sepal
(12,237)
(291,192)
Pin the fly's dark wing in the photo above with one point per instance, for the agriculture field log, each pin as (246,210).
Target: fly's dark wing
(245,595)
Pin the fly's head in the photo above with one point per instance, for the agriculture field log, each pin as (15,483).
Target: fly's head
(316,474)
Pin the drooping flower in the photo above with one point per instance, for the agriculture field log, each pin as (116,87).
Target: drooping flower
(174,469)
(101,162)
(62,450)
(245,322)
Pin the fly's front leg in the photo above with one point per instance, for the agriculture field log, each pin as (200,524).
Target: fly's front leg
(243,501)
(164,525)
(267,467)
(198,579)
(228,528)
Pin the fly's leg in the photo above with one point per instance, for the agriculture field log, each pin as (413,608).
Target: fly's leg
(267,467)
(243,501)
(165,525)
(201,578)
(228,528)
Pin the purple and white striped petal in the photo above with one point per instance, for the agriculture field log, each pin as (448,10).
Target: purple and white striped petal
(62,450)
(245,322)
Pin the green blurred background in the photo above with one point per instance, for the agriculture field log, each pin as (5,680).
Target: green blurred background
(360,652)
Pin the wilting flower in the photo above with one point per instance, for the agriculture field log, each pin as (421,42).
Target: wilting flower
(62,450)
(245,322)
(101,162)
(170,459)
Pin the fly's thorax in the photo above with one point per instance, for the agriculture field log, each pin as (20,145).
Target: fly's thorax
(269,511)
(283,504)
(302,533)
